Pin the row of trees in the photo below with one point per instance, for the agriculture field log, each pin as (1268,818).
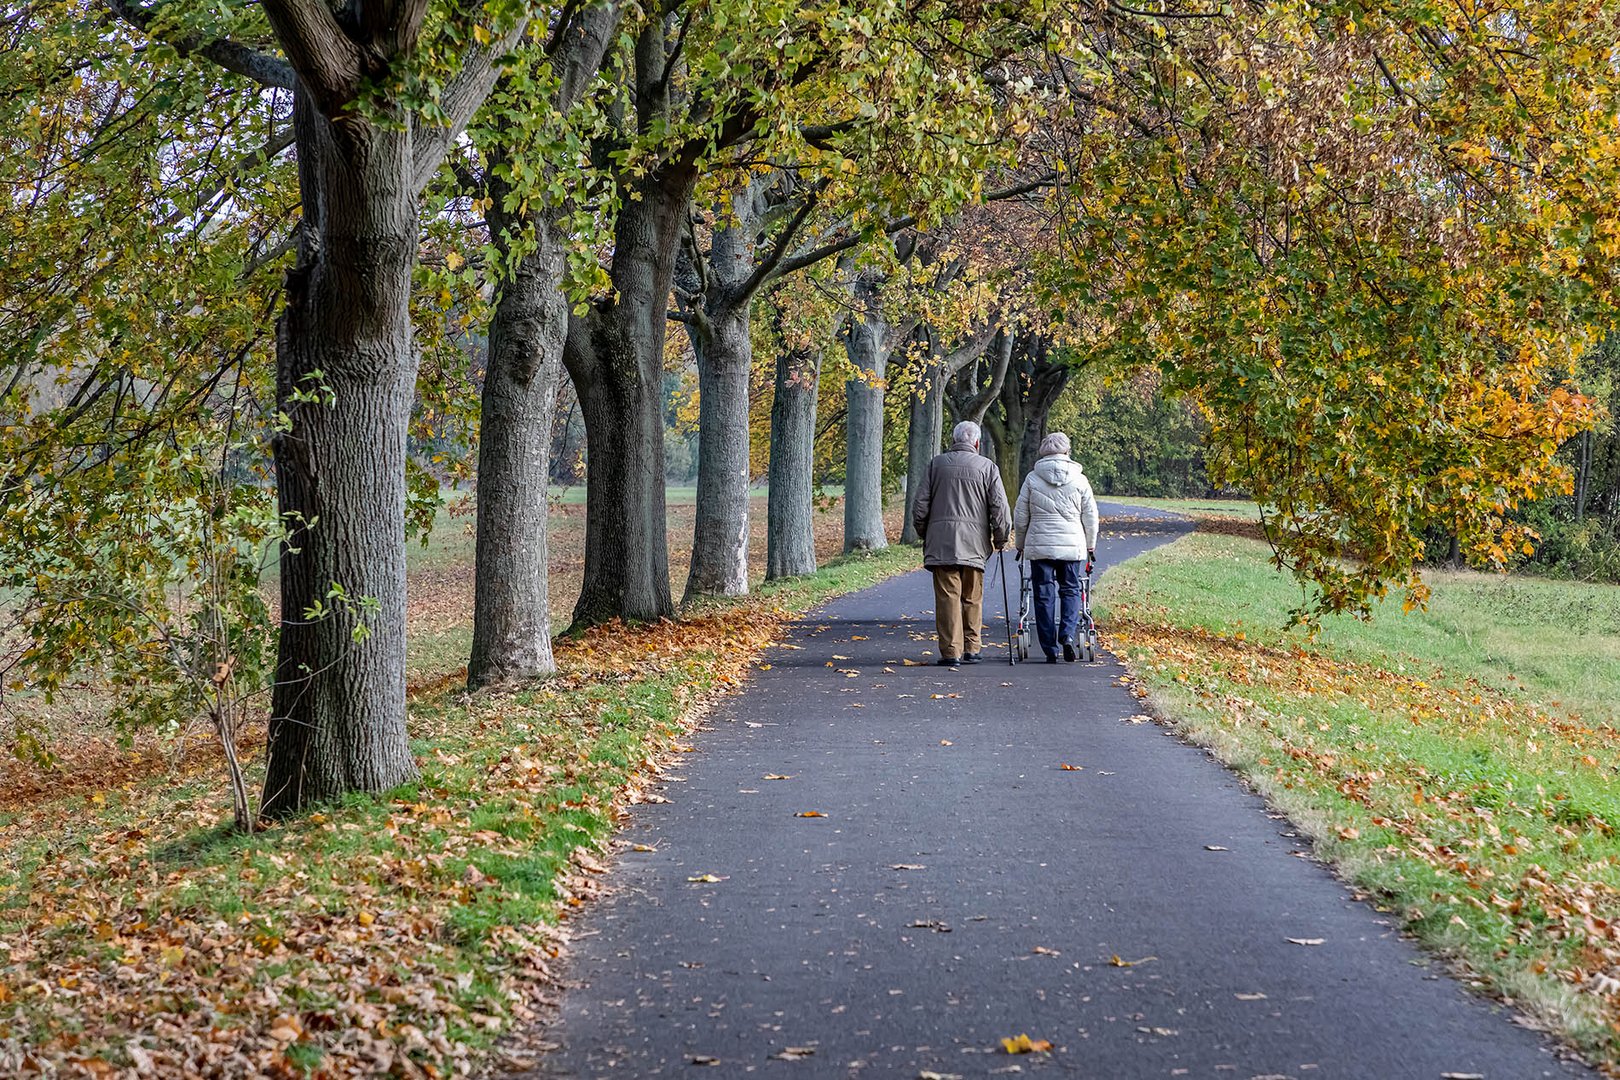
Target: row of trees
(252,247)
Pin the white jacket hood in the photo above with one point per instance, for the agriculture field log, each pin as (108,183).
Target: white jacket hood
(1056,515)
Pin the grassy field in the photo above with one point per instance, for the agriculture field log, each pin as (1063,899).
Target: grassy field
(1458,762)
(394,936)
(1235,508)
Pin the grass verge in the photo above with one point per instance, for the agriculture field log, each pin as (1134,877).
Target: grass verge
(395,935)
(1457,762)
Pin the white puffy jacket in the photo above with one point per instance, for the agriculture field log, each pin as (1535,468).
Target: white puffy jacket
(1056,515)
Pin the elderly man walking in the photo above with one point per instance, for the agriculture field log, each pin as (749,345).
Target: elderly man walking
(961,514)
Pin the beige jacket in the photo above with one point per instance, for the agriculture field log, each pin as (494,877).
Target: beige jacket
(961,510)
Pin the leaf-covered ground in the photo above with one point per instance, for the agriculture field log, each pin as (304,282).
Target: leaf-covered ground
(1456,763)
(398,935)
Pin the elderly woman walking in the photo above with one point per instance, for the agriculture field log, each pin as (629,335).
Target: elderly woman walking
(1056,519)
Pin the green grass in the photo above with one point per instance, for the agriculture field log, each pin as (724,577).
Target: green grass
(424,907)
(1459,762)
(1236,508)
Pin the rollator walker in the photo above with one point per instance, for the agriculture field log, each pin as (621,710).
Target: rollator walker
(1021,634)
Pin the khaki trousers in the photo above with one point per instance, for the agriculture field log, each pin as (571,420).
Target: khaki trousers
(958,609)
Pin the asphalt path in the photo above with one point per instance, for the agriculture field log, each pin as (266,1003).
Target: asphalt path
(1142,912)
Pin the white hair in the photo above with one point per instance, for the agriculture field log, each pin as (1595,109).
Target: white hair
(965,432)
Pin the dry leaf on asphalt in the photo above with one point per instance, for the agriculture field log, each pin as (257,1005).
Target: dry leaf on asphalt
(1023,1044)
(778,776)
(907,866)
(930,1074)
(1066,767)
(709,879)
(1117,962)
(946,742)
(1307,940)
(642,847)
(809,813)
(704,1059)
(795,1053)
(1215,847)
(1461,1076)
(1042,950)
(941,697)
(1257,996)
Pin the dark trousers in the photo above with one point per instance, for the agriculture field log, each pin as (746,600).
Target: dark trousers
(1057,601)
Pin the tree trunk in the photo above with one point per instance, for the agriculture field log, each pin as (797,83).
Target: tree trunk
(923,438)
(720,532)
(719,327)
(790,548)
(865,341)
(511,599)
(511,596)
(615,355)
(345,380)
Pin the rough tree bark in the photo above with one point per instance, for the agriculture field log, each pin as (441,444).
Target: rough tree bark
(868,341)
(790,542)
(511,598)
(345,377)
(718,324)
(615,355)
(345,380)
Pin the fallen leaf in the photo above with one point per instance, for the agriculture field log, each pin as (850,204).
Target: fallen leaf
(366,918)
(1023,1044)
(642,847)
(930,1074)
(1139,718)
(809,813)
(709,879)
(1308,940)
(935,925)
(704,1059)
(907,866)
(795,1053)
(946,742)
(1042,950)
(764,667)
(1215,847)
(778,776)
(1117,962)
(1461,1076)
(1066,767)
(1250,997)
(909,663)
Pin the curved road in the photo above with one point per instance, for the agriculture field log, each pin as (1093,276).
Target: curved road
(962,887)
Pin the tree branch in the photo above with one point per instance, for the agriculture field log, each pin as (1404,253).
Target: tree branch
(261,67)
(827,250)
(328,61)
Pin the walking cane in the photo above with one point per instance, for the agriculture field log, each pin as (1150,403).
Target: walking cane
(1006,608)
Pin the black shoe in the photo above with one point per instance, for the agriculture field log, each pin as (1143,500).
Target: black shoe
(1050,659)
(1068,650)
(947,661)
(970,658)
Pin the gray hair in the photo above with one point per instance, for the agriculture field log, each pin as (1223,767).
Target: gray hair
(965,432)
(1054,445)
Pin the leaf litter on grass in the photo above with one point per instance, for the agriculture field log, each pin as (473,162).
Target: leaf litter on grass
(396,935)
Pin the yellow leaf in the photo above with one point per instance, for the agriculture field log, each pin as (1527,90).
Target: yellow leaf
(1023,1044)
(809,813)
